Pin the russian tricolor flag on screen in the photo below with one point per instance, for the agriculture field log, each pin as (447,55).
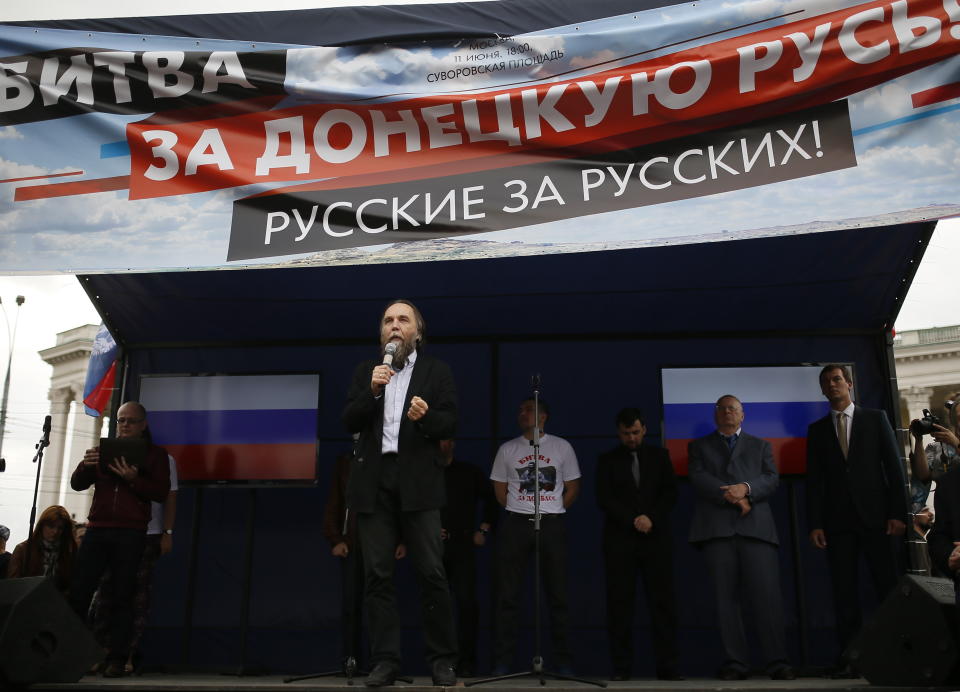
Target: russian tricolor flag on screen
(778,404)
(224,428)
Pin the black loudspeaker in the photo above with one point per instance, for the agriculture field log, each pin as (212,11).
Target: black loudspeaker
(41,638)
(912,639)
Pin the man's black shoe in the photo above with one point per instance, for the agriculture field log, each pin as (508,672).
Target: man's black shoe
(669,675)
(382,675)
(620,675)
(114,670)
(443,674)
(728,673)
(783,673)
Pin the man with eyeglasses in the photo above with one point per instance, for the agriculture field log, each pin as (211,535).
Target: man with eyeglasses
(117,526)
(734,476)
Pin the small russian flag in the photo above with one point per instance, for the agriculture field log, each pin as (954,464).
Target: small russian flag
(101,373)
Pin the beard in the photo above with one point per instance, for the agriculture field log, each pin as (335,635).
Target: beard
(404,349)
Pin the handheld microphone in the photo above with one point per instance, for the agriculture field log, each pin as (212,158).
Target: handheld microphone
(46,431)
(389,351)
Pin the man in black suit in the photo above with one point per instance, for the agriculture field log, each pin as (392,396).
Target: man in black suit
(943,541)
(856,499)
(637,490)
(402,411)
(469,494)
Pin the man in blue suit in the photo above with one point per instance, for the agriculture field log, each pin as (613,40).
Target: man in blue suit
(734,476)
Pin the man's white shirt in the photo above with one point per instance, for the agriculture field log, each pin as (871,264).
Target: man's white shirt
(394,394)
(514,466)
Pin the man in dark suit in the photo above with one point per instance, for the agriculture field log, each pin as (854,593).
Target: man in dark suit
(467,518)
(734,476)
(855,498)
(402,411)
(943,541)
(637,490)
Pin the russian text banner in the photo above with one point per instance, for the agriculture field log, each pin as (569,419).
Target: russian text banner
(680,124)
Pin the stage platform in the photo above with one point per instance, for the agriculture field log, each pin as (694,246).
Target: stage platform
(275,683)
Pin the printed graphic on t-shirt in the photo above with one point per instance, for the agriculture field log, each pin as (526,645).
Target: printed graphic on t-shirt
(548,478)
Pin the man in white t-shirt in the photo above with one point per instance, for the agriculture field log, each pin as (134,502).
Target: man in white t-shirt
(513,477)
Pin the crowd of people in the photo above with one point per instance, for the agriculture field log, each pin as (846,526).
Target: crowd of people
(402,493)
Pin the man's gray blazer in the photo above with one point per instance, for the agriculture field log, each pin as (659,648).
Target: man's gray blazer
(712,465)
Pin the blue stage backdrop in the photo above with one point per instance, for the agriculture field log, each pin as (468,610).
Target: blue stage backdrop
(581,322)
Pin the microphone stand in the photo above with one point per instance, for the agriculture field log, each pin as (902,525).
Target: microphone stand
(38,460)
(350,667)
(537,669)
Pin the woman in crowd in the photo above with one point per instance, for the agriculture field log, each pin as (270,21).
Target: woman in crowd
(51,550)
(4,555)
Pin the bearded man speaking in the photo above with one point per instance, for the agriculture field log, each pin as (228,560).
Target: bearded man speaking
(402,405)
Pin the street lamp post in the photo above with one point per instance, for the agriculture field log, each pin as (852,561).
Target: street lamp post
(11,337)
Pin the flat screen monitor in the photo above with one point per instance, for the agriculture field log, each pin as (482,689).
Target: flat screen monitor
(779,402)
(236,428)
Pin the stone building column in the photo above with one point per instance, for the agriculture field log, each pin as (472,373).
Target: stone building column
(69,358)
(52,472)
(86,434)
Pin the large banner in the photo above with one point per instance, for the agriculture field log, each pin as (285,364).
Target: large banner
(689,123)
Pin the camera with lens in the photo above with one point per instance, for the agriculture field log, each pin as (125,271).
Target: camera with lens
(924,426)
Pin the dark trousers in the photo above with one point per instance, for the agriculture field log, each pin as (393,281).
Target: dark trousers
(626,558)
(351,605)
(120,551)
(741,565)
(460,562)
(102,606)
(844,549)
(380,532)
(515,548)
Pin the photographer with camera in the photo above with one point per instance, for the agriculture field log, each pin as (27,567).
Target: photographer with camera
(939,456)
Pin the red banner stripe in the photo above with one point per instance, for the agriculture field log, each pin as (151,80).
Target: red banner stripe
(40,177)
(939,94)
(81,187)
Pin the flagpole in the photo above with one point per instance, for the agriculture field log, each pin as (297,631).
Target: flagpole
(11,338)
